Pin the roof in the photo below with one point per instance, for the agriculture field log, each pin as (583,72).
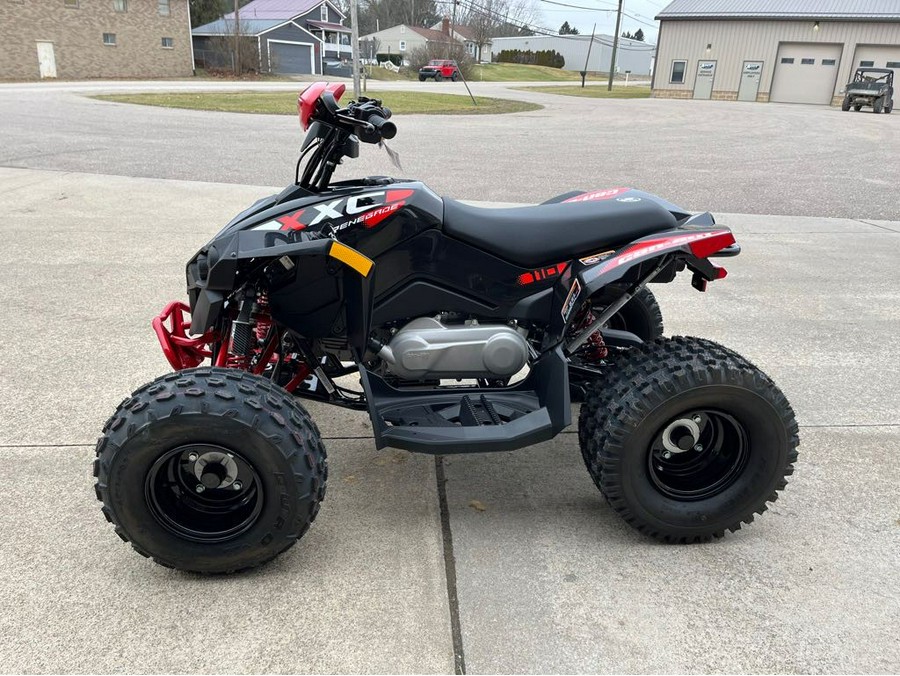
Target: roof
(250,27)
(465,31)
(853,10)
(431,35)
(329,26)
(275,9)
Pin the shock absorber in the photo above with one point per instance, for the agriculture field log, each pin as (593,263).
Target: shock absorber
(242,330)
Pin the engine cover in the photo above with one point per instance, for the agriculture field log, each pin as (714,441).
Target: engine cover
(428,349)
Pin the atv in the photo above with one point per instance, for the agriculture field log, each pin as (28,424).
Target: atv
(870,87)
(459,329)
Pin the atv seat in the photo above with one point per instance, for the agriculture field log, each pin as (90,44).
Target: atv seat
(554,232)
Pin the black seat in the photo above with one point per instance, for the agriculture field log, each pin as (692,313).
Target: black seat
(554,232)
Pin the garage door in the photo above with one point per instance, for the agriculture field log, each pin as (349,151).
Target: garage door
(289,58)
(805,73)
(878,56)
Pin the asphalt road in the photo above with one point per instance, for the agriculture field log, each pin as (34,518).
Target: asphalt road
(547,579)
(705,155)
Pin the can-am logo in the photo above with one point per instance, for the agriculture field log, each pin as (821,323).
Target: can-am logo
(369,209)
(752,67)
(707,66)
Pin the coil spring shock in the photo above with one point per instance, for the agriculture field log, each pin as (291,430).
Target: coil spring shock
(594,347)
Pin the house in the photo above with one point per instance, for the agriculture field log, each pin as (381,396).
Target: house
(633,56)
(466,35)
(403,39)
(286,36)
(90,39)
(772,50)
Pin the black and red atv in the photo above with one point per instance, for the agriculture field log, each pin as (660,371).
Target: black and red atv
(459,329)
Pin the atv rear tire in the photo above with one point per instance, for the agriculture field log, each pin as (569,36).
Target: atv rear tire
(857,107)
(878,105)
(687,439)
(210,470)
(889,107)
(845,104)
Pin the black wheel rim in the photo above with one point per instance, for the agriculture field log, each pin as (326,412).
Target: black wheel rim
(204,493)
(698,454)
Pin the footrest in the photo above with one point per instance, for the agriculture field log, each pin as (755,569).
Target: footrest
(471,419)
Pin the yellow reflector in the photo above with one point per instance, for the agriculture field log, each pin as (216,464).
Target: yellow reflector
(351,257)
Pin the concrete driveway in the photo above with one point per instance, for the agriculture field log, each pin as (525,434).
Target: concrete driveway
(400,573)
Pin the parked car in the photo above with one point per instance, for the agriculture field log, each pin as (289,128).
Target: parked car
(439,69)
(870,87)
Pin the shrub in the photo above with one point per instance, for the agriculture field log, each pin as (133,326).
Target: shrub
(546,57)
(396,59)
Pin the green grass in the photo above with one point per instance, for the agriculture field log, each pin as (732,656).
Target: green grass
(515,72)
(285,103)
(594,91)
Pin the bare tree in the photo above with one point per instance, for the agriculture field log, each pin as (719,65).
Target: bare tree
(488,19)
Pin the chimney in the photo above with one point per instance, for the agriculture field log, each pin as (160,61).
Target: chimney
(445,26)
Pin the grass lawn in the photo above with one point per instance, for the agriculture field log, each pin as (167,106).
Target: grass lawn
(285,103)
(594,91)
(515,72)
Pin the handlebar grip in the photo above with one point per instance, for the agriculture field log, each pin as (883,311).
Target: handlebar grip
(386,129)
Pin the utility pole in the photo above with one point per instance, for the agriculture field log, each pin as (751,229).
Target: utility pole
(452,28)
(588,57)
(354,37)
(612,64)
(237,38)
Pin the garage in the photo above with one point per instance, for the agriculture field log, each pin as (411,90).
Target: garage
(290,58)
(878,56)
(805,73)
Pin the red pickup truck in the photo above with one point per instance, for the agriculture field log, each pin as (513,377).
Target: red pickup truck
(439,69)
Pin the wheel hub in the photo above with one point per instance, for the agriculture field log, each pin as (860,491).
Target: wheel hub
(698,454)
(204,493)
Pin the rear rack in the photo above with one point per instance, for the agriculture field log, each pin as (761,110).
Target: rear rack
(470,419)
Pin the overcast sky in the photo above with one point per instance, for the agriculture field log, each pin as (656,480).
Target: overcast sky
(643,12)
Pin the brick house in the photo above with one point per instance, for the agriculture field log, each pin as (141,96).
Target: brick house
(94,39)
(288,36)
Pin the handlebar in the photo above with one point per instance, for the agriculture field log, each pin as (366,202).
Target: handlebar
(367,117)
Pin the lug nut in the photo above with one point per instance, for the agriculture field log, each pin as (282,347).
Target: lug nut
(193,457)
(237,485)
(698,419)
(667,455)
(200,488)
(698,447)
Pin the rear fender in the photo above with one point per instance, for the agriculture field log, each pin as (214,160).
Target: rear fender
(689,245)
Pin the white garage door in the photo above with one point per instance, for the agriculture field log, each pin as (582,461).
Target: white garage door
(290,58)
(805,73)
(878,56)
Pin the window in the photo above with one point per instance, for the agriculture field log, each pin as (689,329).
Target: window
(892,64)
(323,12)
(109,39)
(71,3)
(787,59)
(164,7)
(866,64)
(828,62)
(807,62)
(403,45)
(167,43)
(678,68)
(120,5)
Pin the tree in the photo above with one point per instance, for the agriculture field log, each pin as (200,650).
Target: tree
(566,29)
(380,14)
(637,35)
(205,11)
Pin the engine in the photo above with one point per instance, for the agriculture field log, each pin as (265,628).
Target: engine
(426,348)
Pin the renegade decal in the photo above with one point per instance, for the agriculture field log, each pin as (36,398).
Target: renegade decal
(596,195)
(368,208)
(652,246)
(540,275)
(571,299)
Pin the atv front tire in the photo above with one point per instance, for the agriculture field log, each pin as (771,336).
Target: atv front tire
(210,470)
(878,106)
(845,104)
(687,439)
